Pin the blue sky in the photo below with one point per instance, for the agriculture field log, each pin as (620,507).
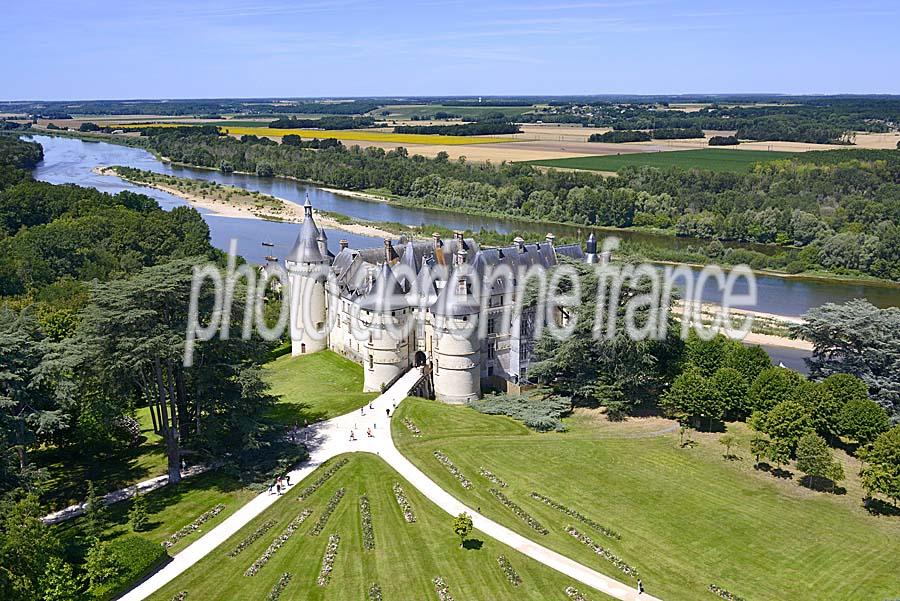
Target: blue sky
(244,48)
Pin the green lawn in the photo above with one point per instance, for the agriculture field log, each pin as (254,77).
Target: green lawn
(315,387)
(169,508)
(687,517)
(713,159)
(405,559)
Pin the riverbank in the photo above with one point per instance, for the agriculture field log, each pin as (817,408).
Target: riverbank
(566,232)
(767,329)
(230,201)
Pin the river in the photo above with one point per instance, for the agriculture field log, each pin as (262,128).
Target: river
(70,160)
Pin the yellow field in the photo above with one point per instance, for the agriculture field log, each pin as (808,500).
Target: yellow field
(361,135)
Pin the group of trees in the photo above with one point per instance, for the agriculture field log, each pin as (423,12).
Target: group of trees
(620,136)
(848,399)
(724,141)
(835,210)
(329,122)
(94,296)
(478,128)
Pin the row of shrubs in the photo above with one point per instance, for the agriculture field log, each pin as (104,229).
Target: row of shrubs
(329,509)
(309,490)
(278,587)
(441,589)
(445,461)
(328,560)
(408,514)
(488,474)
(603,552)
(518,511)
(365,514)
(251,538)
(510,572)
(278,543)
(577,515)
(193,526)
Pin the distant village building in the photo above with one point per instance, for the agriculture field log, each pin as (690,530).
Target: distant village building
(431,287)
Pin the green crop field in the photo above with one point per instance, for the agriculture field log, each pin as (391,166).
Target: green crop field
(404,560)
(687,517)
(713,159)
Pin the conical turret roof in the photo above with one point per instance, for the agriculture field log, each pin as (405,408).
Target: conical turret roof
(306,246)
(386,294)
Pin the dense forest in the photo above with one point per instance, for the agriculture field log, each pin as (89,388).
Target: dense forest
(94,290)
(837,210)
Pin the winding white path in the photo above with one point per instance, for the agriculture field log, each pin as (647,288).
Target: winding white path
(331,439)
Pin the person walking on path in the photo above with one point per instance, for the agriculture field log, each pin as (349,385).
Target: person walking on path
(387,412)
(640,587)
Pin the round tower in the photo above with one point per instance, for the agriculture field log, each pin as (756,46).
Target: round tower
(386,312)
(306,268)
(456,353)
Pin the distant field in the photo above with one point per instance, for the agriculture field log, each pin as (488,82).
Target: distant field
(407,111)
(713,159)
(360,135)
(364,136)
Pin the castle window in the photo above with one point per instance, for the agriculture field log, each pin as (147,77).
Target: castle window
(371,362)
(490,351)
(491,326)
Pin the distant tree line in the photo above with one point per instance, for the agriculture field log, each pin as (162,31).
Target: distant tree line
(481,128)
(323,123)
(836,210)
(620,136)
(801,119)
(676,133)
(724,141)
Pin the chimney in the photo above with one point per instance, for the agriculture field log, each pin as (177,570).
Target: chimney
(550,238)
(307,207)
(590,255)
(344,244)
(520,243)
(388,251)
(438,248)
(461,256)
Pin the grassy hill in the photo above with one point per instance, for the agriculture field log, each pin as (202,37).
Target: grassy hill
(405,559)
(687,517)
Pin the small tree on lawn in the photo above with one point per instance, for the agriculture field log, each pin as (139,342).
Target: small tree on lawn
(728,441)
(814,458)
(759,446)
(94,513)
(138,513)
(778,452)
(462,526)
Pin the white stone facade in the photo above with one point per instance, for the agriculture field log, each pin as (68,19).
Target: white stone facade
(391,308)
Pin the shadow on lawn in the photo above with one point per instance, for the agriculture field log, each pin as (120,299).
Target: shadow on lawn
(71,471)
(473,544)
(294,414)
